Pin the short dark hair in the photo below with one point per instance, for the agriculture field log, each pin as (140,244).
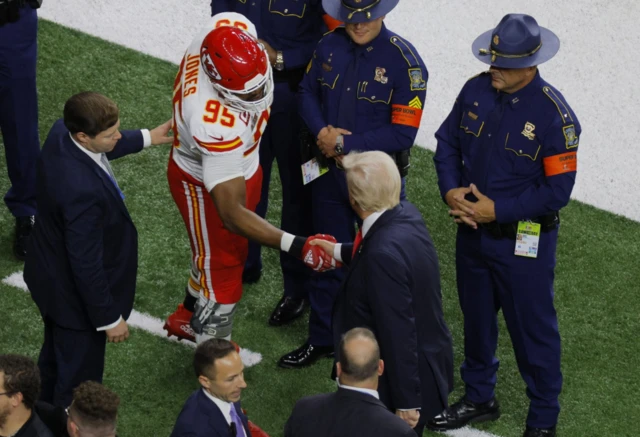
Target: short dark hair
(90,113)
(208,352)
(21,375)
(357,370)
(95,406)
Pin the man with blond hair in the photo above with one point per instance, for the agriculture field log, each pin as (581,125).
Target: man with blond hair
(392,287)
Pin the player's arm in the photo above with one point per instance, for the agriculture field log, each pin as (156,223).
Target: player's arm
(225,183)
(230,200)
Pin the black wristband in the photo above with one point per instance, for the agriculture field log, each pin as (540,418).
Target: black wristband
(297,246)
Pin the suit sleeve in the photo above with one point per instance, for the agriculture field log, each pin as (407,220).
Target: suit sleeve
(309,95)
(406,112)
(131,142)
(391,303)
(560,161)
(84,222)
(448,158)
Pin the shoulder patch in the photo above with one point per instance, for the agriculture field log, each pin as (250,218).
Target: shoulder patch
(570,136)
(406,50)
(417,82)
(565,114)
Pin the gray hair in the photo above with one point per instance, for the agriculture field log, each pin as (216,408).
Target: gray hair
(373,180)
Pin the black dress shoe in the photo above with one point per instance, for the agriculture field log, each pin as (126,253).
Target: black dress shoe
(540,432)
(464,412)
(287,310)
(24,226)
(304,356)
(251,276)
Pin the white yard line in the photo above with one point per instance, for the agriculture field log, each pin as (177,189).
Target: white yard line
(145,322)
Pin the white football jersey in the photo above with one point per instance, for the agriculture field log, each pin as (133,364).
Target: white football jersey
(203,125)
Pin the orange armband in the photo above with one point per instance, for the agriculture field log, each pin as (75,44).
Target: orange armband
(562,163)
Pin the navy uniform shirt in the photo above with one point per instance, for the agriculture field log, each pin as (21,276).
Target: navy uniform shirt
(291,26)
(376,91)
(519,149)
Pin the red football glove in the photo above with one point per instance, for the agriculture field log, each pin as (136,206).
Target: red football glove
(316,258)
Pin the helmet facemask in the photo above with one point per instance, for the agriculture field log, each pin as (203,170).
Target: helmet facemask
(233,100)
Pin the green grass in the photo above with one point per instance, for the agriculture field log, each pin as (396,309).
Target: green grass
(597,279)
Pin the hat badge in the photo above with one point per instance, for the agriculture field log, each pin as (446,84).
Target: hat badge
(496,40)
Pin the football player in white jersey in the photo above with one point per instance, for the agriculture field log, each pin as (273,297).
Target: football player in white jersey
(221,104)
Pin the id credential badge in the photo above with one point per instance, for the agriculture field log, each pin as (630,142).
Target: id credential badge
(527,239)
(311,170)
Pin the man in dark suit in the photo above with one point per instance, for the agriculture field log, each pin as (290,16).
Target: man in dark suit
(393,288)
(355,408)
(83,254)
(214,409)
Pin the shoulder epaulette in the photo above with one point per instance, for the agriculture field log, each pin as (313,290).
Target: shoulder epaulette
(560,105)
(477,75)
(332,30)
(406,50)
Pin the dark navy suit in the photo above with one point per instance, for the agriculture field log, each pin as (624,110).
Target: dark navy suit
(293,27)
(376,91)
(344,413)
(520,150)
(82,260)
(19,109)
(393,288)
(200,417)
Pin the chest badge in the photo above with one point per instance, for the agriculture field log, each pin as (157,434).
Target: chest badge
(326,67)
(528,130)
(379,76)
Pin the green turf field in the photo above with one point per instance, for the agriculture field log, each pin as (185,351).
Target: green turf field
(597,279)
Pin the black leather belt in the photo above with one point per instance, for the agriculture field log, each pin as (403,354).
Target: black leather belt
(497,230)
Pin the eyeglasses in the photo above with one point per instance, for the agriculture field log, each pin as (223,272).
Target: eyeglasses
(7,393)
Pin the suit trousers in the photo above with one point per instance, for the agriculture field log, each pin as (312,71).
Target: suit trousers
(68,358)
(490,277)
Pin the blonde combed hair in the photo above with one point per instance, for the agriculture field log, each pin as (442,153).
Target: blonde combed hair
(373,180)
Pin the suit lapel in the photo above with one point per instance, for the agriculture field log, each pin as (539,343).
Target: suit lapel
(217,422)
(72,149)
(386,218)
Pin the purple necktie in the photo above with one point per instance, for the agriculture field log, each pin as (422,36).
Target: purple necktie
(236,420)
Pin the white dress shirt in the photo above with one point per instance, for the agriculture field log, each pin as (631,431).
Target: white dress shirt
(366,225)
(225,409)
(368,391)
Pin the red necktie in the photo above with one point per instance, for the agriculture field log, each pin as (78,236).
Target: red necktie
(356,244)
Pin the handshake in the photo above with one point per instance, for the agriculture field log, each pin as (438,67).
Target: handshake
(317,253)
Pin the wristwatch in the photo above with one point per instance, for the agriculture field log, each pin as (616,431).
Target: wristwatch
(339,145)
(279,61)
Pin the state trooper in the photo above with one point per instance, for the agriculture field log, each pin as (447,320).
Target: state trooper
(506,160)
(364,90)
(19,112)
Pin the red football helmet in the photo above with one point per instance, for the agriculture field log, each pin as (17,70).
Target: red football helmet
(238,67)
